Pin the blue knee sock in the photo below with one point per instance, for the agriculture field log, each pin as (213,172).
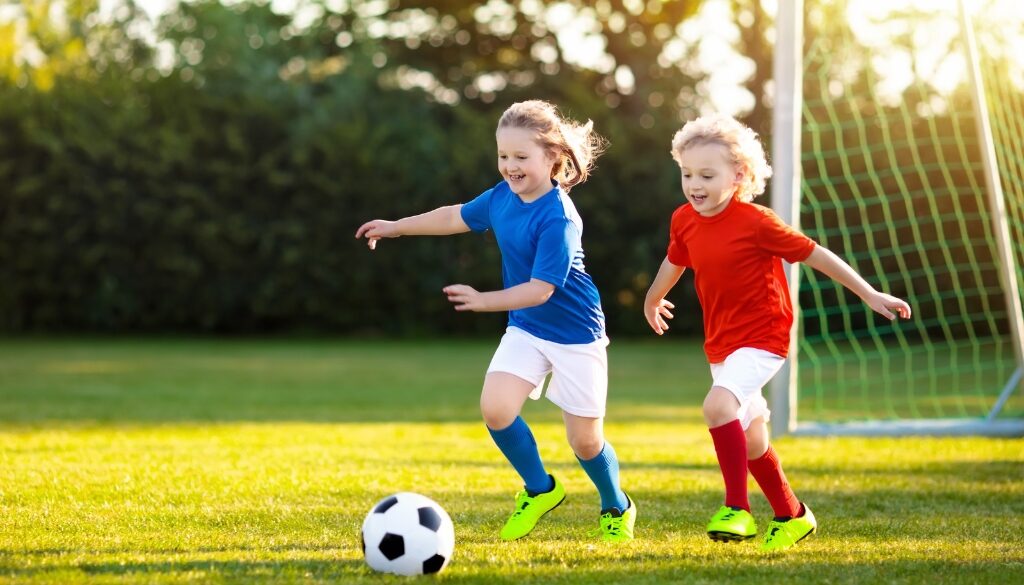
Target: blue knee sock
(520,448)
(604,472)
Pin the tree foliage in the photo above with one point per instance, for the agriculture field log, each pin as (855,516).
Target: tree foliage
(206,172)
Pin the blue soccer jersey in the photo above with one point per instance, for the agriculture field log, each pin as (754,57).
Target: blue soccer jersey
(543,240)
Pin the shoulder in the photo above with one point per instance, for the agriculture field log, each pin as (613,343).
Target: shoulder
(756,215)
(683,215)
(684,211)
(556,207)
(500,190)
(490,197)
(760,212)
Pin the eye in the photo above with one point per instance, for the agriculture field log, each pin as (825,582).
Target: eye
(502,156)
(521,157)
(707,177)
(686,175)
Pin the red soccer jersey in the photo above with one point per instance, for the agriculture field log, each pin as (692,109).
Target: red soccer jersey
(736,257)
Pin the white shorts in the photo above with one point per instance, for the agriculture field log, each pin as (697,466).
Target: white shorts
(579,372)
(744,373)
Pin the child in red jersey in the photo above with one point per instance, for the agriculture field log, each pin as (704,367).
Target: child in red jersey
(735,249)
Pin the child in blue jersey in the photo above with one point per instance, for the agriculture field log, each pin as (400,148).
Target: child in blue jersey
(555,322)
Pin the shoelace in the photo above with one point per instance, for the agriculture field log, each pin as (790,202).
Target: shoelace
(522,502)
(609,525)
(774,529)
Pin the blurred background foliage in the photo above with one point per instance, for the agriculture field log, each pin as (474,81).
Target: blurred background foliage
(205,170)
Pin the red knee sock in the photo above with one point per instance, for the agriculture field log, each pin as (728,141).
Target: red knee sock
(767,470)
(731,448)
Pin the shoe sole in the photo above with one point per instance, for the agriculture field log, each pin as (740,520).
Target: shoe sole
(538,521)
(728,537)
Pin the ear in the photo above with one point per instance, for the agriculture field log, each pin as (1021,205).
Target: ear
(741,174)
(553,160)
(552,156)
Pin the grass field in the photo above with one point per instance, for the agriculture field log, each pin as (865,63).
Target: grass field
(213,461)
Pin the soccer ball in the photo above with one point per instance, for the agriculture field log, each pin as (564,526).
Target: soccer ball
(408,534)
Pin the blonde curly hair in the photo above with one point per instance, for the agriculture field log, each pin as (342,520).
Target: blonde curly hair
(745,150)
(575,145)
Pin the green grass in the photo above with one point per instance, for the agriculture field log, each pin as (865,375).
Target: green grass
(184,461)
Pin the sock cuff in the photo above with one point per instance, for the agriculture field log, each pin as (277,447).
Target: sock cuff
(516,431)
(728,428)
(605,459)
(769,456)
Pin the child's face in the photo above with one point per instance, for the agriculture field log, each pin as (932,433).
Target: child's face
(524,164)
(709,178)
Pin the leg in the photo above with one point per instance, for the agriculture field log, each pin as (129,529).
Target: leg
(597,457)
(757,438)
(793,520)
(501,401)
(766,468)
(732,521)
(720,408)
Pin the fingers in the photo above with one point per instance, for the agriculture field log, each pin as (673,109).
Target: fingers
(364,231)
(656,327)
(895,308)
(460,296)
(903,309)
(657,324)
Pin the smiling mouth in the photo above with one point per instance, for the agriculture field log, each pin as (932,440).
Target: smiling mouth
(698,198)
(516,177)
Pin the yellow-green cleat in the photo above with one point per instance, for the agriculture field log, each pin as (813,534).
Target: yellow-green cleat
(529,509)
(731,524)
(783,534)
(617,526)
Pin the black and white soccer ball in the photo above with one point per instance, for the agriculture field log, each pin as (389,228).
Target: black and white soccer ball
(408,534)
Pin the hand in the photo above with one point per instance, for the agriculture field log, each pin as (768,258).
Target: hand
(375,230)
(465,298)
(656,314)
(888,306)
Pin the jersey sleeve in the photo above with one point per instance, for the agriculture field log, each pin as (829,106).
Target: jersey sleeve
(555,248)
(780,239)
(677,253)
(477,213)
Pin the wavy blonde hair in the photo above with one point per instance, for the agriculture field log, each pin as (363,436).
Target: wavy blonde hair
(575,145)
(745,150)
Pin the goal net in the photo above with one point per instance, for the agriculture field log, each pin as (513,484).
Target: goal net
(911,168)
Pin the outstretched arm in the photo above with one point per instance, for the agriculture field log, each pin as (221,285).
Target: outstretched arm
(656,308)
(529,294)
(825,261)
(442,221)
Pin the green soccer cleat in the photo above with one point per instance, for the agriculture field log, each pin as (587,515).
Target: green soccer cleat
(783,534)
(617,526)
(731,524)
(529,509)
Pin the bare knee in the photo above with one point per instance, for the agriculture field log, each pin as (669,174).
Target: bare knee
(587,447)
(502,398)
(757,438)
(496,414)
(756,446)
(720,407)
